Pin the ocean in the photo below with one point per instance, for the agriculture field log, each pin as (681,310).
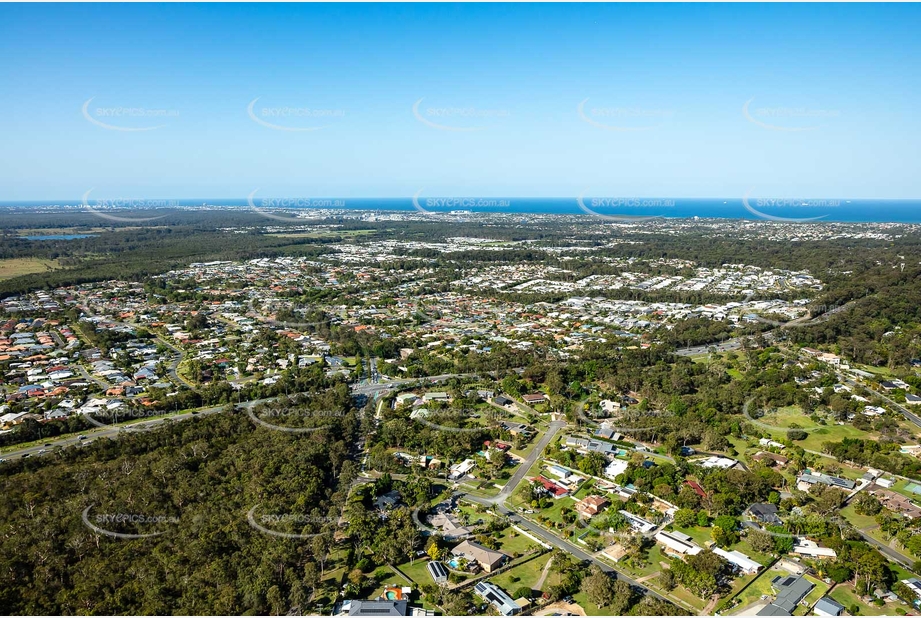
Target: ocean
(794,210)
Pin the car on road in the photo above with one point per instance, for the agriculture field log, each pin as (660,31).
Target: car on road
(47,444)
(81,437)
(42,451)
(25,455)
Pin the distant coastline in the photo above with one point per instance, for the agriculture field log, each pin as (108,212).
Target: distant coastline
(783,210)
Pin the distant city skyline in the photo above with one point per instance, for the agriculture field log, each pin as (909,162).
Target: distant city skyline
(530,101)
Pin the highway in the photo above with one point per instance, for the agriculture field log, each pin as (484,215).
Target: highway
(114,430)
(110,432)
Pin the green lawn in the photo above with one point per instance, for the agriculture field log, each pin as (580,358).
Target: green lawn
(472,515)
(845,595)
(760,587)
(818,592)
(526,574)
(700,535)
(417,571)
(553,512)
(831,433)
(900,486)
(859,521)
(387,577)
(514,543)
(787,417)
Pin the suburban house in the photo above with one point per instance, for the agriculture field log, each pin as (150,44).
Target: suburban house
(497,597)
(381,607)
(516,428)
(461,469)
(534,398)
(774,458)
(827,606)
(591,505)
(805,547)
(451,528)
(739,560)
(765,513)
(914,584)
(436,396)
(616,468)
(714,461)
(488,559)
(637,523)
(678,543)
(805,481)
(790,591)
(553,489)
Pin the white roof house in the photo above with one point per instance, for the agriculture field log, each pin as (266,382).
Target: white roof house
(740,560)
(723,463)
(616,467)
(805,547)
(638,523)
(679,543)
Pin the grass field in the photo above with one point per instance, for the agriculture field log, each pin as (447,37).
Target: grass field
(761,586)
(514,543)
(859,521)
(417,571)
(787,417)
(15,267)
(526,574)
(845,595)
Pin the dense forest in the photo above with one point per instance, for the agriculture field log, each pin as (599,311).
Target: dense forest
(193,482)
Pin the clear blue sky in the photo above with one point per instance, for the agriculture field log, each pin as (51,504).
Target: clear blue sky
(680,74)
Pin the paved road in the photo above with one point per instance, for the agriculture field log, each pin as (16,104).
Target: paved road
(888,551)
(93,434)
(910,416)
(723,346)
(529,461)
(114,430)
(554,540)
(734,343)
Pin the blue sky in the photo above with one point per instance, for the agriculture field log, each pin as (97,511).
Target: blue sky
(833,93)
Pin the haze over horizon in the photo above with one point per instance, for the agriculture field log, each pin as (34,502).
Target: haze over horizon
(379,101)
